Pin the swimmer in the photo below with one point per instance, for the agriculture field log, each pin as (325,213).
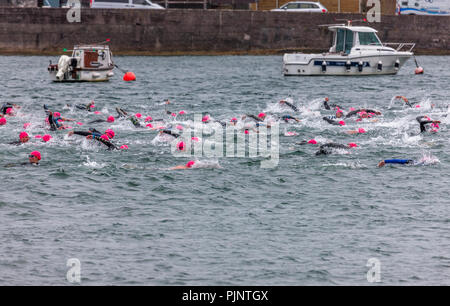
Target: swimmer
(292,106)
(132,118)
(424,120)
(327,148)
(332,120)
(96,135)
(88,107)
(303,142)
(110,119)
(23,138)
(358,131)
(259,118)
(328,106)
(7,108)
(362,110)
(33,159)
(396,161)
(286,118)
(405,100)
(169,132)
(189,165)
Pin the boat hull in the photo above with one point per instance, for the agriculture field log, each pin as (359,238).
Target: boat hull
(299,64)
(83,76)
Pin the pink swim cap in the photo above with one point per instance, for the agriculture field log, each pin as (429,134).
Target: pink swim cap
(110,133)
(149,118)
(180,127)
(205,118)
(138,115)
(190,164)
(2,121)
(79,123)
(97,113)
(46,119)
(46,137)
(339,110)
(359,119)
(9,110)
(110,119)
(246,132)
(417,106)
(312,141)
(26,125)
(195,139)
(124,147)
(149,125)
(341,122)
(174,115)
(105,137)
(361,130)
(233,119)
(23,135)
(56,114)
(351,109)
(181,113)
(180,146)
(261,115)
(92,106)
(352,145)
(36,154)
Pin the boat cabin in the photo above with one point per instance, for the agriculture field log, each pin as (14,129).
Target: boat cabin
(347,37)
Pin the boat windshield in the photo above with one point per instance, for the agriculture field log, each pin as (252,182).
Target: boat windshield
(368,38)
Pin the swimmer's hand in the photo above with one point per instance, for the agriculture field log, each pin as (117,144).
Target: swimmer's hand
(381,164)
(70,133)
(436,121)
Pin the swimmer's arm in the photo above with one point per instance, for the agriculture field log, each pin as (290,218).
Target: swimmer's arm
(330,121)
(398,161)
(181,167)
(81,133)
(352,113)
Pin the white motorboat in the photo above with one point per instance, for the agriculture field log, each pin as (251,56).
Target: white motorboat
(356,50)
(88,63)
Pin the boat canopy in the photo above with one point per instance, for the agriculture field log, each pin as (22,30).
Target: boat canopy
(354,29)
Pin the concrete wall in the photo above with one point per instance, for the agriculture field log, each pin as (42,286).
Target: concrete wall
(47,31)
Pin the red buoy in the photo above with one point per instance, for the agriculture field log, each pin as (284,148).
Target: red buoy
(419,70)
(129,76)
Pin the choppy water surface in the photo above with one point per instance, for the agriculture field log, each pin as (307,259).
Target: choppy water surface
(309,221)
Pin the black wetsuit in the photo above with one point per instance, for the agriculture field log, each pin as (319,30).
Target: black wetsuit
(327,148)
(5,107)
(169,132)
(16,143)
(97,136)
(133,119)
(423,121)
(331,121)
(329,106)
(352,113)
(256,118)
(294,108)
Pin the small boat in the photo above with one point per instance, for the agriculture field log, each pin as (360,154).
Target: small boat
(88,63)
(356,50)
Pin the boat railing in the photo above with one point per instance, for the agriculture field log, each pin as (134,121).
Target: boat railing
(400,46)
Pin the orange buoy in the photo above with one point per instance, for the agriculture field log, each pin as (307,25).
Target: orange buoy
(129,76)
(419,70)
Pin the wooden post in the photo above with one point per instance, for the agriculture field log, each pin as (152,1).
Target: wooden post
(339,6)
(204,4)
(166,3)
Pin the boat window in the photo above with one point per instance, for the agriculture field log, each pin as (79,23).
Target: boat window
(141,2)
(348,41)
(368,38)
(340,36)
